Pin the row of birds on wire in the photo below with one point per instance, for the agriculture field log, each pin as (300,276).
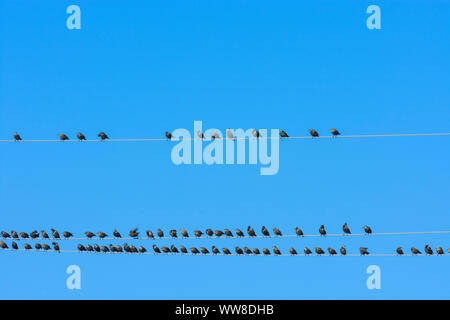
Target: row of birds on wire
(172,233)
(169,136)
(214,250)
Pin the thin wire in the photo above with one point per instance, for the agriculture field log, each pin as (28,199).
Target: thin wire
(223,254)
(243,237)
(240,138)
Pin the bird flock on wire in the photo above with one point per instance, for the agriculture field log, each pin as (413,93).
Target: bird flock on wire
(134,234)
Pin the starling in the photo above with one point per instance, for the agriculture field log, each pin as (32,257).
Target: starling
(194,250)
(399,251)
(15,246)
(168,135)
(102,136)
(363,251)
(251,232)
(81,136)
(5,235)
(183,249)
(238,250)
(247,250)
(112,248)
(266,251)
(322,230)
(24,235)
(209,232)
(184,233)
(265,232)
(307,251)
(38,246)
(67,234)
(200,134)
(156,249)
(256,251)
(104,249)
(63,137)
(367,230)
(27,246)
(160,233)
(81,247)
(428,250)
(45,247)
(173,233)
(204,250)
(198,233)
(44,234)
(96,248)
(276,250)
(55,246)
(134,233)
(15,235)
(55,234)
(299,231)
(165,250)
(126,248)
(239,233)
(218,233)
(318,250)
(277,232)
(3,245)
(34,234)
(226,251)
(133,249)
(256,133)
(89,248)
(17,137)
(283,134)
(173,249)
(439,250)
(331,251)
(214,136)
(215,250)
(89,234)
(313,133)
(149,234)
(119,248)
(292,251)
(117,234)
(228,233)
(142,249)
(230,134)
(101,235)
(346,229)
(334,132)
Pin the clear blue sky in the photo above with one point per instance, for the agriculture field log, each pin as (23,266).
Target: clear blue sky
(139,68)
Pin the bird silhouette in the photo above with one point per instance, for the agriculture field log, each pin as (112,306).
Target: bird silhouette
(346,229)
(283,134)
(266,251)
(104,249)
(265,232)
(299,231)
(218,233)
(81,136)
(209,232)
(307,251)
(142,249)
(102,136)
(55,246)
(134,233)
(256,133)
(343,251)
(331,251)
(165,250)
(15,235)
(428,250)
(96,247)
(89,234)
(439,250)
(313,133)
(63,137)
(5,235)
(184,233)
(27,246)
(367,230)
(173,233)
(256,251)
(226,251)
(101,235)
(67,234)
(55,234)
(81,247)
(149,234)
(17,137)
(215,250)
(89,248)
(251,232)
(214,136)
(34,234)
(277,232)
(276,250)
(292,251)
(117,234)
(45,247)
(160,233)
(318,250)
(228,233)
(37,246)
(3,245)
(239,233)
(247,250)
(173,249)
(168,135)
(15,246)
(44,234)
(399,251)
(156,249)
(183,249)
(198,233)
(335,133)
(230,134)
(194,250)
(204,250)
(24,235)
(363,251)
(238,250)
(322,230)
(415,251)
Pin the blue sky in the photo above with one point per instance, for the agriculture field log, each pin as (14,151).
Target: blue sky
(139,68)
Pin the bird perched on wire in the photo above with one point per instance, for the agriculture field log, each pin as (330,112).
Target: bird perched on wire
(165,250)
(292,251)
(45,247)
(318,250)
(142,249)
(173,233)
(239,233)
(313,133)
(367,230)
(17,137)
(133,249)
(283,134)
(399,251)
(149,234)
(44,234)
(3,245)
(89,248)
(204,250)
(266,251)
(24,235)
(256,133)
(102,136)
(200,135)
(173,249)
(67,234)
(34,234)
(183,249)
(156,249)
(89,234)
(194,250)
(238,250)
(118,248)
(218,233)
(256,251)
(104,249)
(127,248)
(198,233)
(251,232)
(214,136)
(55,234)
(101,235)
(96,248)
(277,232)
(247,250)
(15,235)
(335,133)
(428,250)
(439,250)
(117,234)
(415,251)
(63,137)
(160,233)
(27,246)
(134,233)
(276,250)
(5,235)
(230,134)
(37,246)
(307,251)
(228,233)
(14,245)
(81,136)
(55,246)
(215,250)
(322,230)
(343,251)
(169,135)
(112,248)
(226,251)
(346,229)
(184,233)
(331,251)
(209,232)
(265,232)
(81,247)
(298,232)
(363,251)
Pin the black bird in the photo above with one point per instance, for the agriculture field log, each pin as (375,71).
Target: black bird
(209,232)
(3,245)
(126,248)
(194,250)
(183,249)
(24,235)
(228,233)
(215,250)
(239,233)
(112,248)
(204,250)
(89,248)
(96,247)
(165,250)
(101,235)
(44,234)
(318,250)
(428,250)
(34,234)
(292,251)
(27,246)
(81,136)
(55,246)
(38,246)
(173,249)
(198,233)
(363,251)
(81,247)
(149,234)
(15,235)
(218,233)
(102,136)
(247,250)
(184,233)
(251,232)
(67,234)
(265,232)
(116,234)
(322,230)
(277,232)
(119,248)
(63,137)
(367,230)
(439,250)
(307,251)
(399,251)
(55,234)
(334,132)
(133,249)
(156,249)
(238,250)
(5,235)
(142,249)
(226,251)
(283,134)
(299,231)
(168,135)
(17,137)
(173,233)
(104,249)
(346,229)
(331,251)
(313,133)
(266,251)
(14,245)
(89,234)
(276,250)
(45,247)
(160,233)
(256,251)
(134,233)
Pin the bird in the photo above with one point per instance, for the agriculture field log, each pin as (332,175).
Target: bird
(160,233)
(277,232)
(45,247)
(318,250)
(283,134)
(5,235)
(228,233)
(17,137)
(112,248)
(101,235)
(3,245)
(149,234)
(363,251)
(415,251)
(226,251)
(238,250)
(230,134)
(67,234)
(399,251)
(292,251)
(116,234)
(265,232)
(63,137)
(194,250)
(133,249)
(134,233)
(96,247)
(307,251)
(198,233)
(119,248)
(183,249)
(184,233)
(55,234)
(81,136)
(239,233)
(322,230)
(165,250)
(256,251)
(34,234)
(209,232)
(439,250)
(218,233)
(168,135)
(38,246)
(55,246)
(142,249)
(200,134)
(367,230)
(89,234)
(214,136)
(102,136)
(251,232)
(14,245)
(299,231)
(335,133)
(89,248)
(276,250)
(428,250)
(127,248)
(256,133)
(215,250)
(24,235)
(173,249)
(346,229)
(81,247)
(204,250)
(44,234)
(343,251)
(15,235)
(104,249)
(27,246)
(266,251)
(247,250)
(448,250)
(156,249)
(331,251)
(313,133)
